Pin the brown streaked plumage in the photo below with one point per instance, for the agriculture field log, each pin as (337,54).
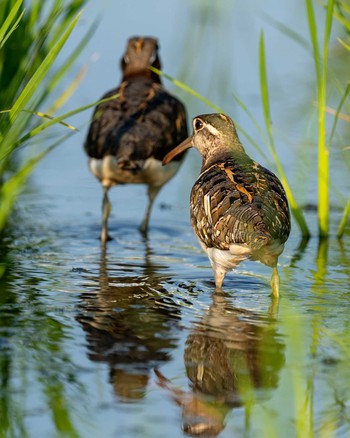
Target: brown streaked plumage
(129,135)
(239,208)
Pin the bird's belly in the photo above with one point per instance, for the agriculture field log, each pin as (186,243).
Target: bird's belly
(227,259)
(153,172)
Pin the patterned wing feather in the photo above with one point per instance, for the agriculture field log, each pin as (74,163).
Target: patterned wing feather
(239,202)
(143,121)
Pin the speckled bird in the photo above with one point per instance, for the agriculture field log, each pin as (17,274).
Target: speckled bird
(239,208)
(130,134)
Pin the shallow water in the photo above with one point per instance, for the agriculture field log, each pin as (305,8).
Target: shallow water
(131,340)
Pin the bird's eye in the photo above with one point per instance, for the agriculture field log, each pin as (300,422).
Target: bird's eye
(198,124)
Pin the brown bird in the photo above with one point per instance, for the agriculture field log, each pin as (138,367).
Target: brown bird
(130,134)
(239,208)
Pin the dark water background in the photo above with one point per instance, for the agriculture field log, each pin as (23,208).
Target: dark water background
(131,341)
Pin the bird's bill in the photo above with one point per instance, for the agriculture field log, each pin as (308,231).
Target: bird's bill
(186,144)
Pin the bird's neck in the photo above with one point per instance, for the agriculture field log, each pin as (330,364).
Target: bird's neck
(222,155)
(130,74)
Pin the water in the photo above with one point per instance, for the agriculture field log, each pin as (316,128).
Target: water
(131,340)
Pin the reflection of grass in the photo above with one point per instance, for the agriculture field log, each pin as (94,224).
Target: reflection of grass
(313,392)
(33,361)
(36,35)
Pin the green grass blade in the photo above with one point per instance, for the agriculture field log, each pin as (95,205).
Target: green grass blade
(321,82)
(323,148)
(255,123)
(44,116)
(343,43)
(265,92)
(41,72)
(68,92)
(7,27)
(336,116)
(55,80)
(296,210)
(288,31)
(342,20)
(59,119)
(313,36)
(344,220)
(10,189)
(13,28)
(188,90)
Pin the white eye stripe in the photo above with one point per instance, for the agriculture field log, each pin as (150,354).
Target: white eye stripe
(213,130)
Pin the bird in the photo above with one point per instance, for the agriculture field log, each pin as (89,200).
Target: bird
(238,208)
(133,127)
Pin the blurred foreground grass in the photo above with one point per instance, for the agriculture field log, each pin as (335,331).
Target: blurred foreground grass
(31,39)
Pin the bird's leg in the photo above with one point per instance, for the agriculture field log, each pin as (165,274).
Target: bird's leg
(106,209)
(273,308)
(275,282)
(219,275)
(152,193)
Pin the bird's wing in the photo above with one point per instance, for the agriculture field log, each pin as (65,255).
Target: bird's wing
(144,121)
(105,117)
(239,203)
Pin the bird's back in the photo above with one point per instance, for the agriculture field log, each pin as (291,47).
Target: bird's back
(239,202)
(143,121)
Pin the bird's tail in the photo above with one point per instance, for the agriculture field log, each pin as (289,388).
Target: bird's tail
(133,166)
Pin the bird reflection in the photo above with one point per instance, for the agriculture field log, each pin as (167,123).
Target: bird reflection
(130,323)
(228,350)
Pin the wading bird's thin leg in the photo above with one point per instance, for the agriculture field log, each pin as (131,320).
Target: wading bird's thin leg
(152,193)
(219,278)
(275,282)
(106,209)
(219,275)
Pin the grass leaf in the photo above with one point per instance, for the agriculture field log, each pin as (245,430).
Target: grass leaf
(288,31)
(344,220)
(40,73)
(313,35)
(343,43)
(337,113)
(59,119)
(6,29)
(296,210)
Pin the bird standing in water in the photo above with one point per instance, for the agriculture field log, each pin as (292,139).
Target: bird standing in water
(239,209)
(130,134)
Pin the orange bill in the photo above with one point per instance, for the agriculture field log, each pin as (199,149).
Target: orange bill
(186,144)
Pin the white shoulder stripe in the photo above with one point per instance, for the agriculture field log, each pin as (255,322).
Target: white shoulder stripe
(207,208)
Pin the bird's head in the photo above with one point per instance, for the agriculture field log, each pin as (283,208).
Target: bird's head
(214,136)
(141,53)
